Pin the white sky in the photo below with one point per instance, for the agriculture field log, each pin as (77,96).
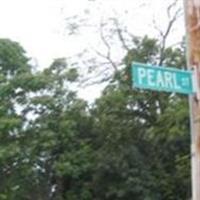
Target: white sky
(39,25)
(35,24)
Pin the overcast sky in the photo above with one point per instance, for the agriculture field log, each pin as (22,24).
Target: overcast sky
(39,25)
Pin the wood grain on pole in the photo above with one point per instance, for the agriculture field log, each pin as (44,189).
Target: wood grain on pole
(192,16)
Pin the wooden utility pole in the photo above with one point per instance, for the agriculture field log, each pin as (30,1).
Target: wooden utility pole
(192,18)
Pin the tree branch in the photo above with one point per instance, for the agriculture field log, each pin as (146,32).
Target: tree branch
(165,34)
(106,56)
(120,34)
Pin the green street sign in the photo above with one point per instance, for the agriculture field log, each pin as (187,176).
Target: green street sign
(162,78)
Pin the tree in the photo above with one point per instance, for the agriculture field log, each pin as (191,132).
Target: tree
(59,149)
(126,146)
(14,68)
(142,136)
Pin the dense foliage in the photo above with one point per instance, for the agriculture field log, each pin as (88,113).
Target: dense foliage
(130,144)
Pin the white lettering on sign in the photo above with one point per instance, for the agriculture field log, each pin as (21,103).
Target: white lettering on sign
(168,79)
(176,86)
(163,79)
(160,79)
(151,77)
(141,74)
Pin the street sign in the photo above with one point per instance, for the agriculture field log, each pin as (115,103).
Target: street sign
(162,78)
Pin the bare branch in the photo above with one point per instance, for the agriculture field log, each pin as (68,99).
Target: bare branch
(120,34)
(171,22)
(96,78)
(170,7)
(157,28)
(165,34)
(106,56)
(104,40)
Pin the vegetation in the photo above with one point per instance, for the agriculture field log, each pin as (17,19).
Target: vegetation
(130,144)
